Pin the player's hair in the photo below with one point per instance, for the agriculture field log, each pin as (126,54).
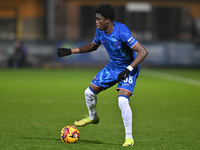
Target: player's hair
(106,10)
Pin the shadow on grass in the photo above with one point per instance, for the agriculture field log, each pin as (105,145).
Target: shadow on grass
(59,140)
(96,142)
(90,141)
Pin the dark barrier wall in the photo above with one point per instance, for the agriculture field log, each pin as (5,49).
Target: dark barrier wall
(161,54)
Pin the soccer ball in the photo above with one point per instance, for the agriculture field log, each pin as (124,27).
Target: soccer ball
(69,134)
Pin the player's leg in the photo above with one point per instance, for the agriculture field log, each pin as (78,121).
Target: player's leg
(126,112)
(91,100)
(103,80)
(125,89)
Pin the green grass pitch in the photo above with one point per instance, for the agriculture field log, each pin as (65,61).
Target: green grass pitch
(36,104)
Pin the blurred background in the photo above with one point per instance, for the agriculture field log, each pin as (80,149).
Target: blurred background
(31,30)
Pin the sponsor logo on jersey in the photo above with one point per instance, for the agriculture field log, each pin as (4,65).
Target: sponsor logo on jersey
(131,40)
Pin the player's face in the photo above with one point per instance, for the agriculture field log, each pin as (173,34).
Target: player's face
(101,22)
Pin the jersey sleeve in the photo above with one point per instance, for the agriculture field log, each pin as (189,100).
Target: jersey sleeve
(127,37)
(96,38)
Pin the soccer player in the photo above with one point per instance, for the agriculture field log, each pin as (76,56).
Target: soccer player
(123,68)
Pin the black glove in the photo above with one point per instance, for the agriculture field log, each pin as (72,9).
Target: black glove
(124,74)
(64,52)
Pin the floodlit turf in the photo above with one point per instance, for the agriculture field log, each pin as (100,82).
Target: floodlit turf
(36,104)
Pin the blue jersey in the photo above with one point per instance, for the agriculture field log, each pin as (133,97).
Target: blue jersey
(118,45)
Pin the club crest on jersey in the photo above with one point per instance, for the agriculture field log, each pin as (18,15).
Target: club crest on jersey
(115,43)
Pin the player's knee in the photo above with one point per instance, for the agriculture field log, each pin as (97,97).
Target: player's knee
(89,93)
(123,101)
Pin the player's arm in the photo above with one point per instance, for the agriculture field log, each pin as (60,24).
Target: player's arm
(86,48)
(83,49)
(141,54)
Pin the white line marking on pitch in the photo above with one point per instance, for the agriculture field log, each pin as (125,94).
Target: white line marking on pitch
(167,76)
